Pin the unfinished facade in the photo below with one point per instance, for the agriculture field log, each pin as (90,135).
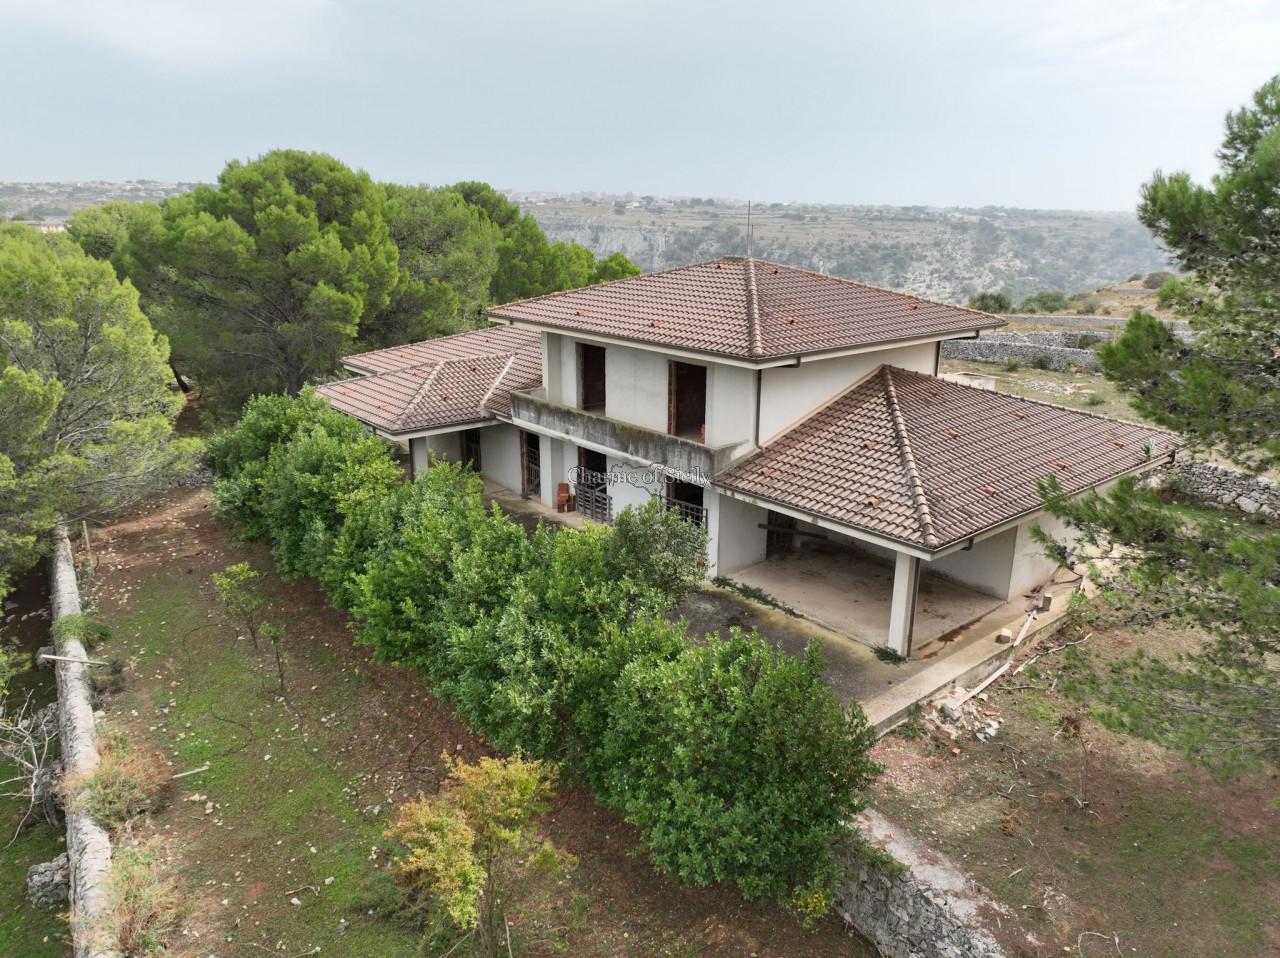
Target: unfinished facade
(797,416)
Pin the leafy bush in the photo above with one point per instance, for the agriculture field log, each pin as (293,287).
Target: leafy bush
(240,456)
(400,599)
(1011,365)
(737,763)
(991,302)
(655,546)
(330,467)
(1042,361)
(466,847)
(1157,279)
(1049,301)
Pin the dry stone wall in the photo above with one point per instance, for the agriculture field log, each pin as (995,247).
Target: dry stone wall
(916,903)
(1221,486)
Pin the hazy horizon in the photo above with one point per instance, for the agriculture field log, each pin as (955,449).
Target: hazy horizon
(1067,108)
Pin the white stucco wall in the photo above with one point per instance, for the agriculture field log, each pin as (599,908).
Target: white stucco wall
(553,366)
(500,454)
(787,394)
(986,567)
(1031,566)
(731,404)
(555,469)
(625,493)
(739,540)
(636,387)
(422,449)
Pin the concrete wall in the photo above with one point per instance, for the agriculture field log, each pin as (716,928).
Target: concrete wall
(731,404)
(500,454)
(986,567)
(555,468)
(739,540)
(636,387)
(789,393)
(445,446)
(1031,567)
(623,492)
(560,369)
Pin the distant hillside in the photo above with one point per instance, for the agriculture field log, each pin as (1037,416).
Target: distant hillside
(943,253)
(57,201)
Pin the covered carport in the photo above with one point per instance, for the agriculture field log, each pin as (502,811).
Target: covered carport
(902,510)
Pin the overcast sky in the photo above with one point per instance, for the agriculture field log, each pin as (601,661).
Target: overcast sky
(1069,104)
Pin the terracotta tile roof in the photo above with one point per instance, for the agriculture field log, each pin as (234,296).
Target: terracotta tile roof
(747,309)
(480,342)
(930,462)
(440,382)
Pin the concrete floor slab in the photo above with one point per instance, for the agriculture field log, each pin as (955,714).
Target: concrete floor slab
(850,594)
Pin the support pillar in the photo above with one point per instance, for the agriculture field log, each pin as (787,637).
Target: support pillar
(902,611)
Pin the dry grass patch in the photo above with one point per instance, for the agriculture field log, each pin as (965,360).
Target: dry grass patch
(128,781)
(146,911)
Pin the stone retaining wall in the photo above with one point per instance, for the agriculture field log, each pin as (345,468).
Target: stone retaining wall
(922,907)
(1226,487)
(1026,352)
(88,845)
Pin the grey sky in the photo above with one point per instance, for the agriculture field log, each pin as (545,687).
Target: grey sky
(1069,104)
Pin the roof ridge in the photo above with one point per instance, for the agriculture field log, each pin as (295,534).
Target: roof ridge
(412,404)
(918,497)
(484,401)
(493,310)
(754,341)
(885,289)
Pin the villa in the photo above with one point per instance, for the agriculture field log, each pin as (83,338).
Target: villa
(799,417)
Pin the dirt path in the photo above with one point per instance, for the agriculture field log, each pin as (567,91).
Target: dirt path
(299,791)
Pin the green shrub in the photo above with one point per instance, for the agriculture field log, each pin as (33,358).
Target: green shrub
(1041,361)
(1011,365)
(399,600)
(991,302)
(1157,279)
(1049,301)
(655,546)
(240,456)
(328,469)
(529,675)
(737,763)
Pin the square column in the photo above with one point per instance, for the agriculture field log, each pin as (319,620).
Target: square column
(902,611)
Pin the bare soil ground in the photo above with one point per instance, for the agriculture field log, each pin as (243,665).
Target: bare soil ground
(299,790)
(1085,833)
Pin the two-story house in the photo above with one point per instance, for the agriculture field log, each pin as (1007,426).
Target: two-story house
(798,416)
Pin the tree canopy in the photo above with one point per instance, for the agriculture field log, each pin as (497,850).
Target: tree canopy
(265,280)
(992,302)
(1222,388)
(1215,573)
(86,415)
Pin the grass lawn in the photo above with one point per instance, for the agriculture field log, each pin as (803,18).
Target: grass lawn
(1095,832)
(279,839)
(1079,390)
(27,932)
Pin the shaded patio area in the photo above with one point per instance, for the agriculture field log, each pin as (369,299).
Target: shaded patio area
(850,592)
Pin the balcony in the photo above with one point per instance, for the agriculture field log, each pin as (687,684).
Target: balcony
(531,411)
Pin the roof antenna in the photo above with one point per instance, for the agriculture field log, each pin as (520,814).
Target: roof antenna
(748,229)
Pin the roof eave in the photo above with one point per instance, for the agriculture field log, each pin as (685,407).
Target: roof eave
(743,359)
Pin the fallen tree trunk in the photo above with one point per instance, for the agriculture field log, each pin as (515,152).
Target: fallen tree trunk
(88,845)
